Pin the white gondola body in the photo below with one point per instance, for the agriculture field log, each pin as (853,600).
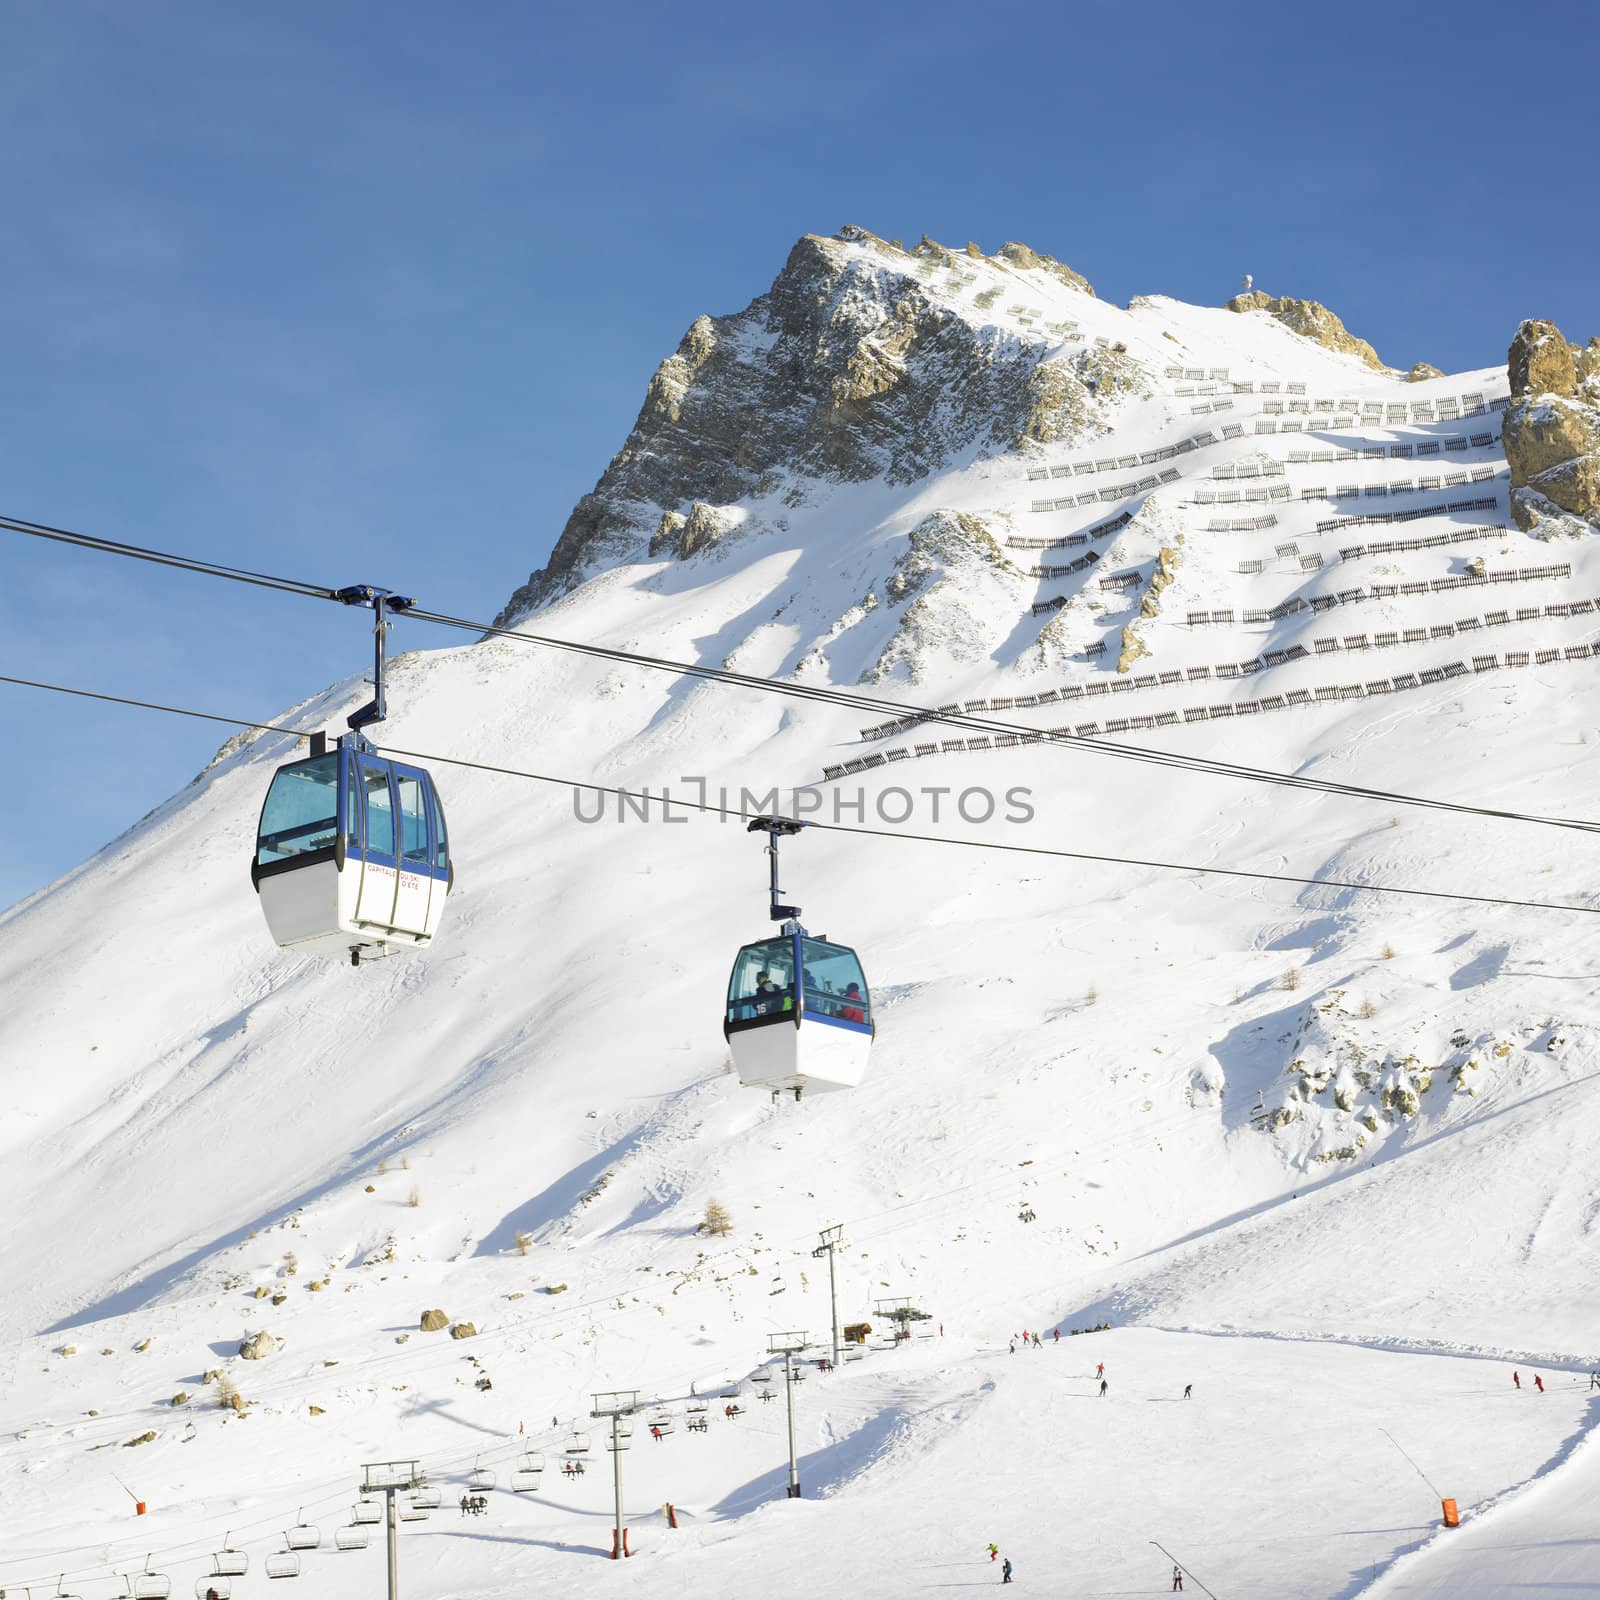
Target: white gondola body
(813,1056)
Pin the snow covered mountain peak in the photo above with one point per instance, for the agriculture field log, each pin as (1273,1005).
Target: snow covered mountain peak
(1177,1067)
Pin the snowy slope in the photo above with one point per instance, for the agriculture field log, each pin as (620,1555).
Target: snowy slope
(1349,1130)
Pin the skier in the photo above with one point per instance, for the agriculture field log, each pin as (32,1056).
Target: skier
(1036,1344)
(1538,1383)
(1516,1378)
(1056,1335)
(1594,1379)
(1100,1371)
(994,1550)
(1005,1570)
(1188,1390)
(1177,1580)
(1103,1387)
(1013,1345)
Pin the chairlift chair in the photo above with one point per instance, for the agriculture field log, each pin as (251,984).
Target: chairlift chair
(768,1394)
(480,1480)
(213,1586)
(228,1562)
(151,1585)
(425,1499)
(283,1564)
(577,1444)
(366,1512)
(798,1014)
(526,1474)
(663,1421)
(413,1513)
(302,1536)
(353,1537)
(61,1590)
(697,1406)
(761,1375)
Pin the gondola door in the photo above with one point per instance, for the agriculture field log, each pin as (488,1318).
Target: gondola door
(380,869)
(416,852)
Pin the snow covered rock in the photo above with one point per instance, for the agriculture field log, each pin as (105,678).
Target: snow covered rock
(257,1345)
(1551,432)
(433,1321)
(1312,321)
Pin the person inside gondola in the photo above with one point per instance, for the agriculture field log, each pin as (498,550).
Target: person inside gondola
(852,1010)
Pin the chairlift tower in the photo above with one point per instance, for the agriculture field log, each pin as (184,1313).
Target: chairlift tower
(617,1404)
(390,1478)
(832,1239)
(786,1344)
(900,1311)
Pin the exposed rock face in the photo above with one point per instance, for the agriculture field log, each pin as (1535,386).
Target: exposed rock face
(1422,372)
(464,1330)
(257,1345)
(1540,362)
(848,368)
(1311,320)
(951,558)
(1552,430)
(433,1321)
(1019,255)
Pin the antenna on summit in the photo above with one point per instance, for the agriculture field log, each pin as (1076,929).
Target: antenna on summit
(1249,283)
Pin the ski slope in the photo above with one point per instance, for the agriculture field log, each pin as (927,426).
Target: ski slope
(1319,1152)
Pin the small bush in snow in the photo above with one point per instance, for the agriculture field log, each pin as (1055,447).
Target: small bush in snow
(415,1197)
(716,1219)
(1289,980)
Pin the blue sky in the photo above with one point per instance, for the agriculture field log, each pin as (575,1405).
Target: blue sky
(371,293)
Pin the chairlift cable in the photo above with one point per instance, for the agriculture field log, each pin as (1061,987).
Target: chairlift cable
(644,797)
(1054,738)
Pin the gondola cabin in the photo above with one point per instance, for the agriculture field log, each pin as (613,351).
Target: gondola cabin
(352,857)
(799,1015)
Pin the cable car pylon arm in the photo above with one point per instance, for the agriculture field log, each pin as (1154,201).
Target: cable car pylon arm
(382,602)
(776,828)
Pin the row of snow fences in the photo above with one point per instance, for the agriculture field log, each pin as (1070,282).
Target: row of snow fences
(1294,698)
(1376,491)
(1248,469)
(1233,497)
(1147,458)
(1242,524)
(1393,452)
(1098,531)
(1200,374)
(1312,424)
(1389,547)
(1373,519)
(1115,491)
(1347,491)
(1392,408)
(1087,559)
(1242,669)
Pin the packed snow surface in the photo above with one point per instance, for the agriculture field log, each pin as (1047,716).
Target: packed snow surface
(1324,1155)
